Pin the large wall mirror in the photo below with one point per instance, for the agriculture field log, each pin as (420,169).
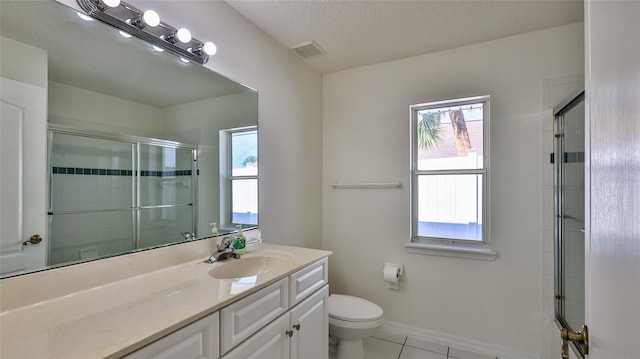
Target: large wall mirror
(130,148)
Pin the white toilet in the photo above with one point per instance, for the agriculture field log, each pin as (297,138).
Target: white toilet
(351,319)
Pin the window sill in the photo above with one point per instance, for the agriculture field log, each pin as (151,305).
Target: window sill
(479,252)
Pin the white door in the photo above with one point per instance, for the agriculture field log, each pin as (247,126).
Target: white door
(612,260)
(23,128)
(310,325)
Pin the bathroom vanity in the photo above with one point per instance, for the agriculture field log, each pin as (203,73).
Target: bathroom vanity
(271,303)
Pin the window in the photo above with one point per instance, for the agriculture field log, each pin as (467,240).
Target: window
(449,174)
(242,171)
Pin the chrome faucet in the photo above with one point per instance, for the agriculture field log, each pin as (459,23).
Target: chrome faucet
(188,236)
(224,250)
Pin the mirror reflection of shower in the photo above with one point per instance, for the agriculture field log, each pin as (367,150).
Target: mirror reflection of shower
(115,194)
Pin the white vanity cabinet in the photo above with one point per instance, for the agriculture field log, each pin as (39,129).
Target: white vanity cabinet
(302,332)
(288,319)
(198,340)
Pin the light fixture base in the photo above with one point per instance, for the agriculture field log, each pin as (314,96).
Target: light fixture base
(121,18)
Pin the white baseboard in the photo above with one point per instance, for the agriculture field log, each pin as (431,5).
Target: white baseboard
(501,352)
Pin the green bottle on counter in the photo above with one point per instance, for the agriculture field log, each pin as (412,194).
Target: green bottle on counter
(240,243)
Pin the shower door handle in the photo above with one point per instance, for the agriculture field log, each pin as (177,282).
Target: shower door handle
(580,338)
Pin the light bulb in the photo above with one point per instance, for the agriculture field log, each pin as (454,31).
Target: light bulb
(183,35)
(151,18)
(111,3)
(209,48)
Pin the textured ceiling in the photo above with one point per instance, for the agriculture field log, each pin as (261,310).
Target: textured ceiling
(358,33)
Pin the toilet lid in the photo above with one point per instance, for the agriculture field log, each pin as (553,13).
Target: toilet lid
(353,309)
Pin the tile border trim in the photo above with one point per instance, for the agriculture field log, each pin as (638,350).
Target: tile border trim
(116,172)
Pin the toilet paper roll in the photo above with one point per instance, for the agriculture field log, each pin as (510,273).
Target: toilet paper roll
(391,274)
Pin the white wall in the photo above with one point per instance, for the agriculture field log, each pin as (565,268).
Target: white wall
(85,109)
(289,114)
(365,138)
(22,62)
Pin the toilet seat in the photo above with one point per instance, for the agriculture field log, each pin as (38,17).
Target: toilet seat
(346,308)
(355,325)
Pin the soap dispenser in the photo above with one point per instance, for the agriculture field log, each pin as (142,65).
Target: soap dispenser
(240,243)
(214,229)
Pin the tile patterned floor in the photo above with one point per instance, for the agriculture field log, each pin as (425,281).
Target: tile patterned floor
(392,346)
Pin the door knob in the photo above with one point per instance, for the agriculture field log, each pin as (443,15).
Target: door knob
(35,239)
(580,338)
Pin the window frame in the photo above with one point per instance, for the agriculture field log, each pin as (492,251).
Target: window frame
(227,186)
(450,246)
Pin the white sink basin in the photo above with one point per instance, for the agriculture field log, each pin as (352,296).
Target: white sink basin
(249,266)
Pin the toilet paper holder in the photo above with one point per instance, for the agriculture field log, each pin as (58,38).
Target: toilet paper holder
(391,274)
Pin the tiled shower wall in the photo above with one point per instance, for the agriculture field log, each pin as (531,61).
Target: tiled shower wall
(92,177)
(88,235)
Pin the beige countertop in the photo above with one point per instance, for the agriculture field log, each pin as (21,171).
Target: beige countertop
(112,319)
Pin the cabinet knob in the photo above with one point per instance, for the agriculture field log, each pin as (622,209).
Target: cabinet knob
(297,326)
(289,333)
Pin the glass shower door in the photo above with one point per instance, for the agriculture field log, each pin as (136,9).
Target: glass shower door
(570,214)
(91,197)
(166,195)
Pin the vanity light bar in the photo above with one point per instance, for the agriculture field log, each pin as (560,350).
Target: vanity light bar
(147,26)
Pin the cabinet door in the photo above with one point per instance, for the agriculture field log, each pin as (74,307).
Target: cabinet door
(246,316)
(198,340)
(272,342)
(310,323)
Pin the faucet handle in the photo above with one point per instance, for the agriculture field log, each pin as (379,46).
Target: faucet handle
(225,243)
(188,236)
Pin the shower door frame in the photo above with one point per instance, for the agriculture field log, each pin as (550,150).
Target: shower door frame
(136,208)
(559,112)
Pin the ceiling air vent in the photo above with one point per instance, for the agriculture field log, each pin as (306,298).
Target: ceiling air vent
(308,49)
